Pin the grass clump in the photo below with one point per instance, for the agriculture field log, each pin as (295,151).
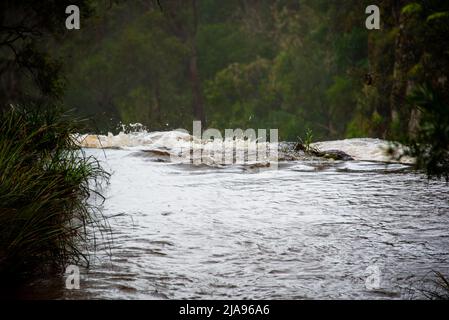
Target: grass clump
(441,288)
(305,144)
(434,286)
(45,184)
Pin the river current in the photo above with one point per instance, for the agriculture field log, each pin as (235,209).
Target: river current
(310,229)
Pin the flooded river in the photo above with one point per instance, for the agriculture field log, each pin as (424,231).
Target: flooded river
(312,229)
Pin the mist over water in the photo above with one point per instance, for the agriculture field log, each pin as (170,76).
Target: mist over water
(305,231)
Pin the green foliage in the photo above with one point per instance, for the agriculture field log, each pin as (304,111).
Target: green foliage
(437,288)
(367,119)
(27,69)
(308,139)
(437,16)
(412,8)
(45,182)
(430,145)
(133,72)
(273,66)
(239,95)
(280,64)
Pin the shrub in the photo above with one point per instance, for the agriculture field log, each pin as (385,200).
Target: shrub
(430,145)
(46,180)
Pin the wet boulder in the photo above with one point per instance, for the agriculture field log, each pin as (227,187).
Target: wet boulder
(336,155)
(328,154)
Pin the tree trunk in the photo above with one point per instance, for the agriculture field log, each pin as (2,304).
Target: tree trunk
(187,34)
(197,95)
(157,104)
(402,62)
(399,82)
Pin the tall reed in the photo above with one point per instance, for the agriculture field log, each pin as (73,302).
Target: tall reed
(46,185)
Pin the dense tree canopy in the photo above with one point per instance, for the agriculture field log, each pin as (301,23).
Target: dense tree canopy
(287,64)
(28,71)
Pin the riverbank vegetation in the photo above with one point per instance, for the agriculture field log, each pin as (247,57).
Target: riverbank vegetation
(45,183)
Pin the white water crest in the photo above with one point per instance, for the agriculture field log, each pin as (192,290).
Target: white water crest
(169,143)
(139,139)
(181,147)
(367,149)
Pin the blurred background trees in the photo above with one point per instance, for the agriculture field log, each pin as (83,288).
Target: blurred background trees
(287,64)
(29,72)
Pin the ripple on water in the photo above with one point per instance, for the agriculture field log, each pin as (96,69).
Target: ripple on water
(309,230)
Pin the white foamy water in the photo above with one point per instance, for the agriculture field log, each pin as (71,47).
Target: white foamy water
(366,149)
(174,142)
(180,147)
(142,139)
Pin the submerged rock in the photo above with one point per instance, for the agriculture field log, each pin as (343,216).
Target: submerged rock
(155,155)
(328,154)
(157,152)
(260,165)
(336,155)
